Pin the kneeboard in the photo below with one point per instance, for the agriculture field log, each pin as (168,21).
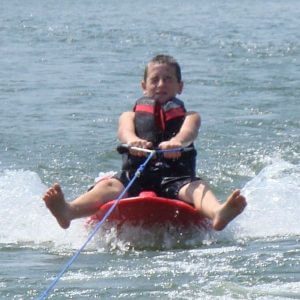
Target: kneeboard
(148,210)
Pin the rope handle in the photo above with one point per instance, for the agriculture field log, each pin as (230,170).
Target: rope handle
(124,148)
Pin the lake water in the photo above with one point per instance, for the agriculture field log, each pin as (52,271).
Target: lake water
(67,71)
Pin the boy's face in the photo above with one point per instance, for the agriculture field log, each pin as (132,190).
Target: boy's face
(161,83)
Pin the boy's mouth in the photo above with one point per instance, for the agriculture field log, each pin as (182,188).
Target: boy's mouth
(160,94)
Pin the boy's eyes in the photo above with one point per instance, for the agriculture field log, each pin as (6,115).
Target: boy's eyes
(157,79)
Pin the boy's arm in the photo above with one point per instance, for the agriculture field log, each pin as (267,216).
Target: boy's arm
(186,135)
(189,129)
(127,135)
(126,130)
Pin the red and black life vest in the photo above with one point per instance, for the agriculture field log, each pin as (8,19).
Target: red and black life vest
(157,123)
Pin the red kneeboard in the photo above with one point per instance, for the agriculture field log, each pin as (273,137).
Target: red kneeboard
(148,210)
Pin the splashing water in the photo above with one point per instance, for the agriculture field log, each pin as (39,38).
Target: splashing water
(24,218)
(273,196)
(273,202)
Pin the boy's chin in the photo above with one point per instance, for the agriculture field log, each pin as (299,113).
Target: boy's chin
(161,100)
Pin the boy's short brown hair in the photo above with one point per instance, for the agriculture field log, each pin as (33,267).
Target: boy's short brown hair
(164,59)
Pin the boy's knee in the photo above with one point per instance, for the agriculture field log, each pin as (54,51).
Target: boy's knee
(110,184)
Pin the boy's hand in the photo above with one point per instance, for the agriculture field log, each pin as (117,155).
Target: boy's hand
(140,144)
(171,144)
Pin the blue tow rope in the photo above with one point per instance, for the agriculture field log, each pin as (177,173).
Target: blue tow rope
(46,293)
(141,168)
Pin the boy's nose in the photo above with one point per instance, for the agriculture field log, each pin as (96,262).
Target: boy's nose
(161,82)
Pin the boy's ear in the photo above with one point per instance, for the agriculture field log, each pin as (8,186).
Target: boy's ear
(143,86)
(181,84)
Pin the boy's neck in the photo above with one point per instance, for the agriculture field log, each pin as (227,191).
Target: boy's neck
(157,101)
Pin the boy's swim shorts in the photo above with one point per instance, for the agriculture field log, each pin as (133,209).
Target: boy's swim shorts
(167,187)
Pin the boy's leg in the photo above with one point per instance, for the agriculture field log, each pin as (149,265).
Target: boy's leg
(199,194)
(85,205)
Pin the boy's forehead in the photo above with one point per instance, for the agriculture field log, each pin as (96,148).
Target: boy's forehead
(154,67)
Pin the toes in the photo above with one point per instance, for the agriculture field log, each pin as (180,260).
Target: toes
(235,194)
(53,191)
(57,189)
(47,195)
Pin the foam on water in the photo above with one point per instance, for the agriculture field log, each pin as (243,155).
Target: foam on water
(159,237)
(24,218)
(273,202)
(273,197)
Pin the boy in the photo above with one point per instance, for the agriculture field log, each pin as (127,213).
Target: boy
(159,120)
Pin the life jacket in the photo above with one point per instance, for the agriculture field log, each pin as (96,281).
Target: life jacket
(157,123)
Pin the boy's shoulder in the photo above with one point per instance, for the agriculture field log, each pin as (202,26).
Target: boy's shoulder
(177,100)
(174,102)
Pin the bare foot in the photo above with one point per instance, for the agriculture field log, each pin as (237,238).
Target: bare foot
(55,201)
(233,206)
